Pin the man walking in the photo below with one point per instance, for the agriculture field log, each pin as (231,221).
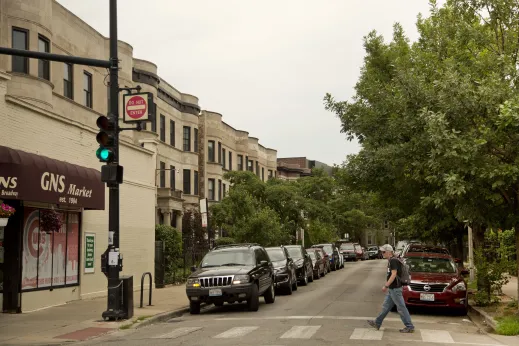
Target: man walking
(393,289)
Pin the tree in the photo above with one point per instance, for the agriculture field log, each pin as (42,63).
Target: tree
(438,119)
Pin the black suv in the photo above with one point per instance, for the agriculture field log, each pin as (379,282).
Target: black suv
(232,273)
(303,263)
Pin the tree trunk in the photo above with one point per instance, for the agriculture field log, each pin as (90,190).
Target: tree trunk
(479,244)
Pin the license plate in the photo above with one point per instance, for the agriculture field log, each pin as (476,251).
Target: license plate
(427,297)
(215,292)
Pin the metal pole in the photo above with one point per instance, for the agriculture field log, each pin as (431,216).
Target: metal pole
(114,311)
(471,254)
(55,57)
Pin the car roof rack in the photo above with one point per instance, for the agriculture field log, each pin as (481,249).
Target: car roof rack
(235,245)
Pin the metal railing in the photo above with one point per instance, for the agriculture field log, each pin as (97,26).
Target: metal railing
(142,287)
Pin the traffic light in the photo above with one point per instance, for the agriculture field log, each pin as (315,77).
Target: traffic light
(106,139)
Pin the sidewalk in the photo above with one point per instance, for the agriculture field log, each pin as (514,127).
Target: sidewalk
(510,289)
(80,320)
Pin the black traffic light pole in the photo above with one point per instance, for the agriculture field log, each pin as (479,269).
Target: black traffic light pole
(113,311)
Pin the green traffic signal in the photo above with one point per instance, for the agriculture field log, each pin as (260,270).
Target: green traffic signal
(104,154)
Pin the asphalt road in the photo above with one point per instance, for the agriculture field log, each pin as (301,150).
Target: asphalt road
(329,311)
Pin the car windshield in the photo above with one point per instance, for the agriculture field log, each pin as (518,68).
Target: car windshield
(373,248)
(431,265)
(219,258)
(328,249)
(428,249)
(276,254)
(347,247)
(312,254)
(295,252)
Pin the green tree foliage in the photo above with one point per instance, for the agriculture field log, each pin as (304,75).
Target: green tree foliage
(173,249)
(438,121)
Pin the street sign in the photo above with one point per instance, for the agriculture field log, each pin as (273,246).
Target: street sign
(137,107)
(90,251)
(203,205)
(204,220)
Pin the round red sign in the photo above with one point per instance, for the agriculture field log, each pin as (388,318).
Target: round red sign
(136,107)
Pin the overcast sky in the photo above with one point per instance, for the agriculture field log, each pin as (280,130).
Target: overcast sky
(264,65)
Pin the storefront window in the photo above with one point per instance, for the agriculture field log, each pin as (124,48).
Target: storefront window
(50,259)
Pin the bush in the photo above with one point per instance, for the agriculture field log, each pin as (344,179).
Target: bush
(173,249)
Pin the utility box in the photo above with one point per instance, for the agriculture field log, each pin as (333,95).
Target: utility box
(126,295)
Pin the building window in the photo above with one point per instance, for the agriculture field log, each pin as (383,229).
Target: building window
(60,251)
(187,181)
(210,189)
(153,118)
(172,175)
(257,169)
(219,152)
(187,138)
(386,224)
(162,128)
(262,173)
(68,84)
(210,151)
(251,165)
(230,161)
(224,190)
(172,132)
(195,144)
(223,158)
(43,65)
(240,162)
(162,174)
(270,174)
(219,190)
(196,183)
(87,89)
(20,41)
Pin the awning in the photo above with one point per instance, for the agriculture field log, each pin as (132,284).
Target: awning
(30,177)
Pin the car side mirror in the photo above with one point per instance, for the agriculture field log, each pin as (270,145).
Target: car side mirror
(193,269)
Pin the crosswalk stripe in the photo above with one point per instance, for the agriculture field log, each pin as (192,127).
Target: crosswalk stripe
(235,332)
(366,334)
(178,332)
(300,332)
(438,336)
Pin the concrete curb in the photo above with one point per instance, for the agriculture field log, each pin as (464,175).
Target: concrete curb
(489,321)
(159,318)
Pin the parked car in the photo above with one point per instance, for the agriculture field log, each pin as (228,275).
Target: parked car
(303,263)
(374,252)
(351,251)
(365,255)
(414,247)
(318,262)
(331,253)
(435,281)
(325,261)
(284,267)
(232,273)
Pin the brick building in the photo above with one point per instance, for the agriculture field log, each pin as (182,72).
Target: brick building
(291,168)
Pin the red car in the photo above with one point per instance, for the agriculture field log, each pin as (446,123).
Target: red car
(435,281)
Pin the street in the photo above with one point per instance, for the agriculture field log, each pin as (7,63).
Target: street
(329,311)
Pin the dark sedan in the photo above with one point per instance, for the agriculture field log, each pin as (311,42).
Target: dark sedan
(303,263)
(318,262)
(284,269)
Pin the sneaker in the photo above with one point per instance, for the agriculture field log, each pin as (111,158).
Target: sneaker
(407,330)
(373,324)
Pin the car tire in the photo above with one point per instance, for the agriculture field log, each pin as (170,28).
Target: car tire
(290,287)
(270,294)
(194,308)
(218,304)
(294,281)
(333,268)
(253,301)
(318,274)
(305,278)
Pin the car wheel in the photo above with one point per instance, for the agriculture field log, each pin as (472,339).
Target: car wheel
(294,281)
(311,277)
(253,301)
(305,278)
(290,287)
(194,308)
(318,274)
(270,295)
(218,303)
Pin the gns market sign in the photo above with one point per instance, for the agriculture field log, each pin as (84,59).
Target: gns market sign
(68,184)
